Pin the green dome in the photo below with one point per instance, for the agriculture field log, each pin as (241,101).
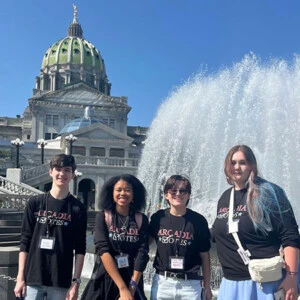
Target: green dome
(72,60)
(74,51)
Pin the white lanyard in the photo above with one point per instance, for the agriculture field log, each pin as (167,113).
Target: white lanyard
(233,229)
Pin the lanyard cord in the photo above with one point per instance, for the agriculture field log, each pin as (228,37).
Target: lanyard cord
(48,227)
(177,242)
(47,222)
(123,229)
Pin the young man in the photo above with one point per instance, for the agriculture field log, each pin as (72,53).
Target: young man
(54,225)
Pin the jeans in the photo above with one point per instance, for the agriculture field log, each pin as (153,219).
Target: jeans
(164,288)
(39,292)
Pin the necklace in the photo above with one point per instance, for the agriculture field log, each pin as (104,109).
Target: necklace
(123,224)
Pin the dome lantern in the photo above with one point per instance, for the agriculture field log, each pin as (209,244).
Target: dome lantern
(75,29)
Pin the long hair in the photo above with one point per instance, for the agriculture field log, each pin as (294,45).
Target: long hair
(263,197)
(139,193)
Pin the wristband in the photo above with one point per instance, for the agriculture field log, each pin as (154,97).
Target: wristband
(291,273)
(133,283)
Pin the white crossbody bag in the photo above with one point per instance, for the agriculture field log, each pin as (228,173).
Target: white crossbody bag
(261,270)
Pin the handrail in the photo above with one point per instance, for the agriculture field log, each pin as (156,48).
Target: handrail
(82,160)
(10,187)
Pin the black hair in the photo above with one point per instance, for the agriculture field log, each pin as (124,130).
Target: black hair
(139,193)
(63,160)
(173,180)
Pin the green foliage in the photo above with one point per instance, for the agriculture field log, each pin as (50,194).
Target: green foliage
(4,153)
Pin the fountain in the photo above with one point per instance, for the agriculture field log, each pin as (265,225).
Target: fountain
(252,103)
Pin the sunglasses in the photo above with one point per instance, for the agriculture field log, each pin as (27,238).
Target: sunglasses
(181,192)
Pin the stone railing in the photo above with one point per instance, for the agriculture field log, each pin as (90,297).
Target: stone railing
(14,195)
(105,161)
(9,201)
(36,171)
(10,187)
(82,160)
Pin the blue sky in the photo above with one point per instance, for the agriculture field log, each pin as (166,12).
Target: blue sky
(149,46)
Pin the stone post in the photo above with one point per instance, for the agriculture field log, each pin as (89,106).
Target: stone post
(9,257)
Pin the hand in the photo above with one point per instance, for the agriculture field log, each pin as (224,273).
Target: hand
(20,288)
(208,293)
(132,290)
(125,294)
(289,284)
(72,293)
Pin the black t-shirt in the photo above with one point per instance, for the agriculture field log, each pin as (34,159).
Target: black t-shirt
(67,221)
(284,232)
(133,241)
(188,234)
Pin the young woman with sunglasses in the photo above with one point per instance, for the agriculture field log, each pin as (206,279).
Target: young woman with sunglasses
(183,242)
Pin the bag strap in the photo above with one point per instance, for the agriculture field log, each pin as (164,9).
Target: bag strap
(139,219)
(230,220)
(244,254)
(108,218)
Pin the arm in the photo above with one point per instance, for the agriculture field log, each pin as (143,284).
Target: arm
(28,224)
(205,258)
(289,284)
(80,219)
(20,287)
(73,291)
(112,270)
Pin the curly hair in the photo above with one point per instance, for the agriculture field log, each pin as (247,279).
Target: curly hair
(139,193)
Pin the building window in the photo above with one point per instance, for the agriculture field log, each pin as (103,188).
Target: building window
(47,136)
(28,136)
(48,119)
(55,120)
(116,152)
(110,122)
(95,151)
(52,120)
(79,150)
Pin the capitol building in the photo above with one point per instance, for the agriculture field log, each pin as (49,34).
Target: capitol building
(71,111)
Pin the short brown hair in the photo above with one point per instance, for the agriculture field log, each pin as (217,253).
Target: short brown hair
(63,160)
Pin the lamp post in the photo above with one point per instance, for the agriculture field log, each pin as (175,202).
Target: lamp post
(77,174)
(71,139)
(42,144)
(17,143)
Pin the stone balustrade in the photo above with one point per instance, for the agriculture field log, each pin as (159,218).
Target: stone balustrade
(82,160)
(10,187)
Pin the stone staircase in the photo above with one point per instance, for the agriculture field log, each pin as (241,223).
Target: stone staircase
(13,199)
(10,227)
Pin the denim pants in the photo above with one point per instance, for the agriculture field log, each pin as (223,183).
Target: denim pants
(165,288)
(39,292)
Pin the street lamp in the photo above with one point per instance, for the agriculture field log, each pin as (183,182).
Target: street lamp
(71,139)
(17,143)
(42,144)
(77,174)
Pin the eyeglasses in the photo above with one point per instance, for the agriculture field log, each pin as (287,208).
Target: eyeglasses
(181,192)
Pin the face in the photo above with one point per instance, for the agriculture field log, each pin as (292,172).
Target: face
(61,175)
(240,169)
(122,193)
(178,195)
